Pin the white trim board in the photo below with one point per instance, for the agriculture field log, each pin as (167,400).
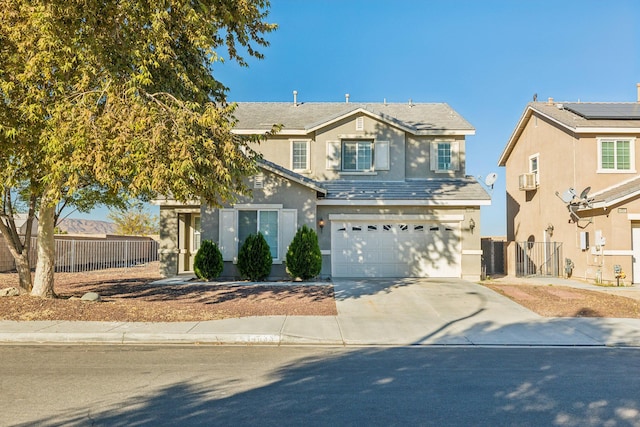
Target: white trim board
(342,202)
(383,217)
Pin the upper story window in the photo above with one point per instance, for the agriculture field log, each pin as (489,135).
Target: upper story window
(300,155)
(357,156)
(616,155)
(444,156)
(534,166)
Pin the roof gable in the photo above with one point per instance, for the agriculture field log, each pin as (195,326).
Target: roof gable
(303,118)
(605,117)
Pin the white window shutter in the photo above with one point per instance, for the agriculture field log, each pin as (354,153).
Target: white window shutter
(433,156)
(227,234)
(333,155)
(455,155)
(288,229)
(381,153)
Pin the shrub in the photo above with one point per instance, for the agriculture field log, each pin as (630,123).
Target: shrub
(254,258)
(304,259)
(208,261)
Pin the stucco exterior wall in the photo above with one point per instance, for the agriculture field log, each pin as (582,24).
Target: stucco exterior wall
(418,155)
(277,190)
(168,252)
(278,149)
(567,160)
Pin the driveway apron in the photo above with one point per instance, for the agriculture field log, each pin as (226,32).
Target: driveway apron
(441,312)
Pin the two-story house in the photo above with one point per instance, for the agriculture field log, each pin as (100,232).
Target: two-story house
(573,191)
(384,186)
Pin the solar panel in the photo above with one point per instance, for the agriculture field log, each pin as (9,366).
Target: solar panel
(613,111)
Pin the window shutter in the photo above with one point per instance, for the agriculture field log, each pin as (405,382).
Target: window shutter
(227,234)
(288,229)
(455,155)
(381,154)
(333,155)
(433,156)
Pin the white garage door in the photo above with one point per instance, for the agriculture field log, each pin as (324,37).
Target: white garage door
(395,249)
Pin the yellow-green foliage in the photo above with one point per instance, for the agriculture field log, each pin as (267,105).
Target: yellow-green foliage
(119,97)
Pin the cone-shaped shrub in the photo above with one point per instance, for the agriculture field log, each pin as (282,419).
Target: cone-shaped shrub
(254,258)
(304,259)
(208,261)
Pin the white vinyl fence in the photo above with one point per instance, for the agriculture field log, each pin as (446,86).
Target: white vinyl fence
(78,255)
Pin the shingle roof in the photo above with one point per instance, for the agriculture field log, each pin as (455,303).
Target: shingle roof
(289,174)
(444,189)
(416,118)
(571,121)
(575,121)
(615,194)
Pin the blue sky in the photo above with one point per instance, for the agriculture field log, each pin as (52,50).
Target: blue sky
(484,58)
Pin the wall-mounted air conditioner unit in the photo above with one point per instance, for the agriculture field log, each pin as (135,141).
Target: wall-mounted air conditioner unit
(527,181)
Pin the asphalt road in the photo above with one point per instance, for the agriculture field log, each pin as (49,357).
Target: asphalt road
(210,385)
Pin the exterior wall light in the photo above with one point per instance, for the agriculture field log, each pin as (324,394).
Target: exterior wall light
(472,224)
(550,230)
(321,224)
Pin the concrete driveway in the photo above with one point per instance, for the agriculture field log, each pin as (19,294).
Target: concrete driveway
(455,312)
(370,312)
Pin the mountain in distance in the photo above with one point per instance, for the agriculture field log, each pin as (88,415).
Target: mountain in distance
(86,226)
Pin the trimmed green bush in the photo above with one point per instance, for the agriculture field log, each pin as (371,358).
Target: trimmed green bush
(254,258)
(304,259)
(208,261)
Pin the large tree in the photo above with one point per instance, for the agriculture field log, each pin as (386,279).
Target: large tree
(134,221)
(105,98)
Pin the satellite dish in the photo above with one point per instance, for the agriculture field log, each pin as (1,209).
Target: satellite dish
(491,179)
(568,195)
(585,193)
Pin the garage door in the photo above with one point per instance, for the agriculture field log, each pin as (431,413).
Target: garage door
(395,249)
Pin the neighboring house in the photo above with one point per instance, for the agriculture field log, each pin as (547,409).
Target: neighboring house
(573,191)
(383,185)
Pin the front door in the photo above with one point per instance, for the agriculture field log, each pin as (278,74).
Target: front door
(189,237)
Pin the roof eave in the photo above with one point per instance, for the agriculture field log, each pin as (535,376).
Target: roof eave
(609,130)
(403,202)
(605,204)
(292,178)
(528,112)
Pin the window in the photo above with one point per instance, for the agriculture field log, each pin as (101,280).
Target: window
(444,156)
(277,225)
(534,162)
(263,221)
(197,233)
(300,155)
(616,155)
(357,155)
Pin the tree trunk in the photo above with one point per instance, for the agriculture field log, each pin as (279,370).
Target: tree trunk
(19,250)
(24,272)
(43,283)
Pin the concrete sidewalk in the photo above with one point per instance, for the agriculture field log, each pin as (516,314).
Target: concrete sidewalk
(399,312)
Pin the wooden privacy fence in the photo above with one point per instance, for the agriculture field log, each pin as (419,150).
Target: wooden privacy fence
(78,254)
